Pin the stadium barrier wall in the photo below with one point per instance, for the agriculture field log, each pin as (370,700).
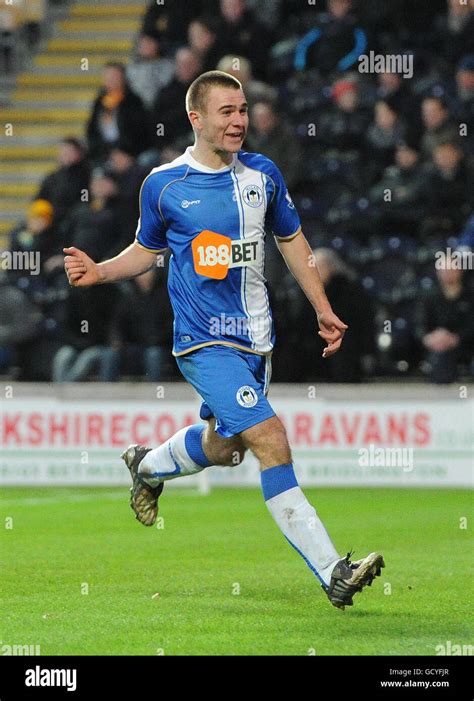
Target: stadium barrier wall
(350,435)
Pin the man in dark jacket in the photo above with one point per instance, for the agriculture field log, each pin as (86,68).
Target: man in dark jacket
(169,121)
(446,323)
(350,300)
(334,44)
(99,224)
(20,331)
(85,334)
(141,341)
(274,137)
(117,114)
(398,198)
(38,245)
(239,34)
(128,175)
(342,127)
(38,239)
(449,191)
(169,21)
(65,186)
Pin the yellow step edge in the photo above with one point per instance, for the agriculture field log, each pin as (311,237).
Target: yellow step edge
(81,81)
(107,45)
(25,168)
(52,115)
(105,11)
(53,95)
(100,25)
(5,227)
(19,189)
(42,130)
(29,151)
(16,203)
(95,60)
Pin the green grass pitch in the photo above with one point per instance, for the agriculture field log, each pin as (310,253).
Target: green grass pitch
(81,576)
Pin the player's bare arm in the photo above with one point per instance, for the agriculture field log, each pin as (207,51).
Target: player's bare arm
(82,271)
(299,259)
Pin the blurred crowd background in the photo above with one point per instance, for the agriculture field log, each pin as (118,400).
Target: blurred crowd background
(380,167)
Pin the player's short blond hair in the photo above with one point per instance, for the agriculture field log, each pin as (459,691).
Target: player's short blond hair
(196,96)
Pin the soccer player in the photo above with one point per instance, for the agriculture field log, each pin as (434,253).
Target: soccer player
(211,206)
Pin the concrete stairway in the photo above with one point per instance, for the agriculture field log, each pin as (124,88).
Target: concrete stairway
(52,99)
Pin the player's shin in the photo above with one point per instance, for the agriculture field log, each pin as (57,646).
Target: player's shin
(180,455)
(298,520)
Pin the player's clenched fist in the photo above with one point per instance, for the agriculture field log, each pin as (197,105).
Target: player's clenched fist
(332,331)
(81,270)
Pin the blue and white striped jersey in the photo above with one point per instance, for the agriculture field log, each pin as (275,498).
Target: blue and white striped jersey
(214,223)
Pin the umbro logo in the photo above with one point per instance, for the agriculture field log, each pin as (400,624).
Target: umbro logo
(187,203)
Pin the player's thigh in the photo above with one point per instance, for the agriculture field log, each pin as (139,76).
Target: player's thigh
(231,383)
(268,442)
(219,450)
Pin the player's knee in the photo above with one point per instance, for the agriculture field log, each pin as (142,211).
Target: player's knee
(268,441)
(268,433)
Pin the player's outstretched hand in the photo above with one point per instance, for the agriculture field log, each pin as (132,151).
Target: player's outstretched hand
(81,270)
(332,330)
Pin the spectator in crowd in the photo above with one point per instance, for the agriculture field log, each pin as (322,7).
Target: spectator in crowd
(85,334)
(96,226)
(334,44)
(241,68)
(456,31)
(169,120)
(343,126)
(20,330)
(65,187)
(38,237)
(349,299)
(445,317)
(241,35)
(449,191)
(383,134)
(117,114)
(169,21)
(149,72)
(437,123)
(462,103)
(270,134)
(141,342)
(202,39)
(398,197)
(409,24)
(269,13)
(40,279)
(128,175)
(396,88)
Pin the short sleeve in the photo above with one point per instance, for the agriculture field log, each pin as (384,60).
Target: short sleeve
(282,216)
(151,229)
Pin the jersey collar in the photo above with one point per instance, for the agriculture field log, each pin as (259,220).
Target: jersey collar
(188,157)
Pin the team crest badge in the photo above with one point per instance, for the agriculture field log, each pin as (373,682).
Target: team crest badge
(246,396)
(253,196)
